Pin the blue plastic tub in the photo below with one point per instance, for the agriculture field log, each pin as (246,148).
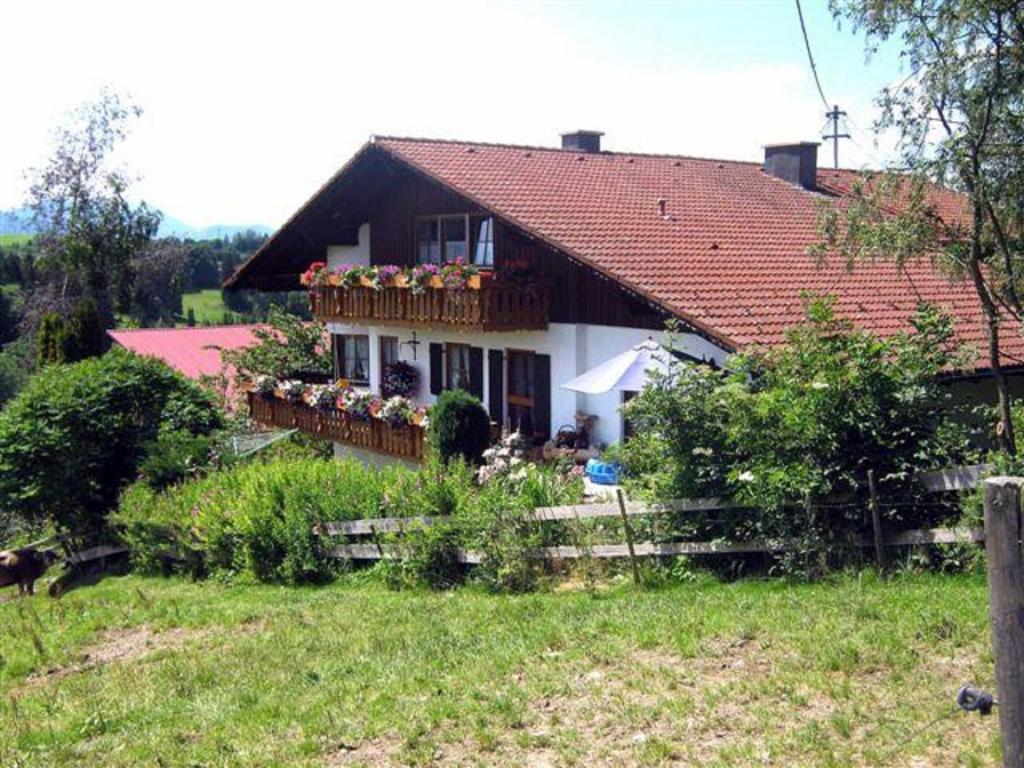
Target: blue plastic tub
(603,472)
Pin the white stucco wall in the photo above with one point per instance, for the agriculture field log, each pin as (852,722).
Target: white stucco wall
(351,254)
(573,350)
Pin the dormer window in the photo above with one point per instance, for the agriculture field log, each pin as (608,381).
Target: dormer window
(440,239)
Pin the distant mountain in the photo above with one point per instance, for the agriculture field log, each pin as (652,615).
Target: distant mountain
(18,221)
(172,227)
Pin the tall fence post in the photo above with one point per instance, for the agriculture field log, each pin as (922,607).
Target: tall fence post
(876,522)
(1003,547)
(629,536)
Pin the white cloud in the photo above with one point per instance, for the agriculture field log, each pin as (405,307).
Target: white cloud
(250,106)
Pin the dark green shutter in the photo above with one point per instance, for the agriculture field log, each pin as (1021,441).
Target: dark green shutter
(476,373)
(542,398)
(436,369)
(496,385)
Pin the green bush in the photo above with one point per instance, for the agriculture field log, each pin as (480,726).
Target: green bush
(803,420)
(459,427)
(76,434)
(257,518)
(175,455)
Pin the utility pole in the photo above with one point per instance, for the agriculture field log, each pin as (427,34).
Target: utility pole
(834,114)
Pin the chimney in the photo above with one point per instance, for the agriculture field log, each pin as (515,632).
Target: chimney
(795,163)
(582,141)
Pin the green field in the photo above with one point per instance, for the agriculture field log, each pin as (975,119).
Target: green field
(138,671)
(207,304)
(14,239)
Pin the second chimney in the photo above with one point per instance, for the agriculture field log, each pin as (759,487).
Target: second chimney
(582,141)
(795,163)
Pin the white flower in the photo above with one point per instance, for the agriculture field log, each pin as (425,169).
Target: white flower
(746,477)
(702,451)
(819,385)
(515,460)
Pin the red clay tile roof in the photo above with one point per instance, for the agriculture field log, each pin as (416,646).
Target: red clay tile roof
(194,352)
(731,256)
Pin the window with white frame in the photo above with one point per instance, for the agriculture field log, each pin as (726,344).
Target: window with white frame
(441,239)
(352,357)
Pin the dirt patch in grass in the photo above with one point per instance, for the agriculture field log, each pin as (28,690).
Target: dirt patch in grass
(375,752)
(117,645)
(740,703)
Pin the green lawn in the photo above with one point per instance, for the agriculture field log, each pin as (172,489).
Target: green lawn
(8,239)
(207,304)
(155,672)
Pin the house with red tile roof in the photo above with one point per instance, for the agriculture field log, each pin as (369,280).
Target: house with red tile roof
(194,352)
(584,253)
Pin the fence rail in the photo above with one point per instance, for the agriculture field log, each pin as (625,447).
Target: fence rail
(916,537)
(945,480)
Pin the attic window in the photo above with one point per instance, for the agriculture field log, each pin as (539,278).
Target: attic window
(441,239)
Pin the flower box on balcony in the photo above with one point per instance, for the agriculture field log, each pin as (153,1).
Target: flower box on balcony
(371,434)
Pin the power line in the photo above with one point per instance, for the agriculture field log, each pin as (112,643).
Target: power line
(810,56)
(833,113)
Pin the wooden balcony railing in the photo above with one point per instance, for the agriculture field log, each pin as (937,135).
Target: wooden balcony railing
(373,435)
(492,307)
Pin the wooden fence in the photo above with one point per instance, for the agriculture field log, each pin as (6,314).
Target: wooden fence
(959,478)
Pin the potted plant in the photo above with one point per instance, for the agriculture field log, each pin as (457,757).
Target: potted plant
(317,274)
(400,378)
(264,386)
(293,390)
(455,275)
(397,411)
(423,276)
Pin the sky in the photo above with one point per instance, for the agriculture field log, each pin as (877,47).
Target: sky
(249,107)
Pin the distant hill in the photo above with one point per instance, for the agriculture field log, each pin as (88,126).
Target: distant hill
(172,227)
(18,221)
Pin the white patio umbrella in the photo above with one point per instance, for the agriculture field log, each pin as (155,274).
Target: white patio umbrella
(628,371)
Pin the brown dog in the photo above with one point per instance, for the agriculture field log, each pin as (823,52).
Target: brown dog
(23,567)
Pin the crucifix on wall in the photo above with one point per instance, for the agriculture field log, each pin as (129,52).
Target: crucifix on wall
(414,343)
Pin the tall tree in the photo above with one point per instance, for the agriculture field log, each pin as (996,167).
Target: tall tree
(958,116)
(88,229)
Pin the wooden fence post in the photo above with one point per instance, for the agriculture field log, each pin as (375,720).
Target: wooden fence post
(1003,548)
(876,522)
(629,535)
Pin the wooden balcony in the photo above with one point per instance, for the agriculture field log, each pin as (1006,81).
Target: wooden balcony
(373,435)
(491,307)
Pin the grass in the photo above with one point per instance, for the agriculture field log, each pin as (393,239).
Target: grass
(207,304)
(11,239)
(137,671)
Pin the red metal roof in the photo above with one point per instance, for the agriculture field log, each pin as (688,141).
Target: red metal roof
(194,352)
(730,255)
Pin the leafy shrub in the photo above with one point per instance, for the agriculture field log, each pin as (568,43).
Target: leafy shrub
(459,426)
(175,455)
(257,518)
(77,433)
(804,420)
(430,557)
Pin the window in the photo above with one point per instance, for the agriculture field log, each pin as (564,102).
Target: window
(522,391)
(388,350)
(458,367)
(441,239)
(483,242)
(454,238)
(428,241)
(353,357)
